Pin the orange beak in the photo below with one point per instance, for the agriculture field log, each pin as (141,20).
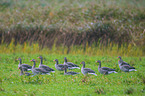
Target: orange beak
(117,57)
(118,60)
(96,61)
(38,57)
(30,60)
(53,60)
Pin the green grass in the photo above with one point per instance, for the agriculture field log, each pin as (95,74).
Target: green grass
(57,84)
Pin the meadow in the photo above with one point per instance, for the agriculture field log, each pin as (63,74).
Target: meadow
(80,30)
(58,84)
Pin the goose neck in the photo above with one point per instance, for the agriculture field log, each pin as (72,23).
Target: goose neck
(56,62)
(34,64)
(83,65)
(41,61)
(20,62)
(100,65)
(65,60)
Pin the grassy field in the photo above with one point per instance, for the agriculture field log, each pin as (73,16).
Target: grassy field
(80,30)
(119,84)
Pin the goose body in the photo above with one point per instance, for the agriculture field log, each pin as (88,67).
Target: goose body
(70,64)
(59,67)
(125,66)
(38,70)
(24,73)
(105,70)
(69,73)
(87,70)
(123,62)
(45,67)
(25,67)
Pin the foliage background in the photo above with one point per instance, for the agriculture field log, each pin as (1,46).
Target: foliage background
(69,23)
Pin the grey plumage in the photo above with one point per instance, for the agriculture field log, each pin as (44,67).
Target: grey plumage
(59,67)
(24,73)
(25,67)
(38,70)
(45,67)
(87,70)
(69,73)
(123,62)
(125,66)
(105,70)
(70,65)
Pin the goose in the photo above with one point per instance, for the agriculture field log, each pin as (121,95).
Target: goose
(122,62)
(69,73)
(38,70)
(22,72)
(44,66)
(105,70)
(125,68)
(70,64)
(87,70)
(25,67)
(59,67)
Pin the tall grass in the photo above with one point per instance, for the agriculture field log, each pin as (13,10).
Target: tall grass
(93,50)
(73,22)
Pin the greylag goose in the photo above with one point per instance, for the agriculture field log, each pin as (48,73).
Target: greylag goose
(125,68)
(105,70)
(44,66)
(87,70)
(70,64)
(59,67)
(69,73)
(122,62)
(38,70)
(25,67)
(24,73)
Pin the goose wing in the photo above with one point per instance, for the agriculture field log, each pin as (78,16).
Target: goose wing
(61,65)
(71,73)
(88,70)
(125,63)
(125,66)
(72,64)
(26,65)
(24,68)
(108,69)
(46,68)
(41,70)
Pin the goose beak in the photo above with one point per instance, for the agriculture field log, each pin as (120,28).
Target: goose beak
(118,60)
(30,60)
(53,60)
(38,57)
(117,57)
(96,61)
